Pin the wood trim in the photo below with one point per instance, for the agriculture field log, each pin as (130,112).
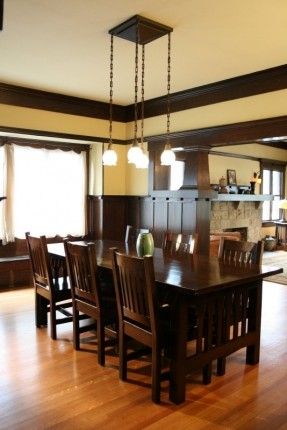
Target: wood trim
(230,134)
(44,100)
(27,132)
(230,154)
(263,81)
(64,146)
(259,82)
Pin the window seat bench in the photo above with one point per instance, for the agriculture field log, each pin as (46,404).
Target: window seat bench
(15,270)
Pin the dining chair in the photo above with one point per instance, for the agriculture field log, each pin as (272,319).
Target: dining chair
(140,315)
(235,254)
(133,232)
(51,294)
(179,243)
(240,251)
(89,296)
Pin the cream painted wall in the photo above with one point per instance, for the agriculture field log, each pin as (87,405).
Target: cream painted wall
(96,170)
(115,176)
(34,119)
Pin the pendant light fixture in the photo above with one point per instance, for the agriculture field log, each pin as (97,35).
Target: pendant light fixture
(135,152)
(110,157)
(167,157)
(140,31)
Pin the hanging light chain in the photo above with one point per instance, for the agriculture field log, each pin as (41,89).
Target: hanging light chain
(168,90)
(111,90)
(142,93)
(136,88)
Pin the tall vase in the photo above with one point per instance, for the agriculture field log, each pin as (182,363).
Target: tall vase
(145,244)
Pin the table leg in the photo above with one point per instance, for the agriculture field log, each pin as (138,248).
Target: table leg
(178,353)
(254,322)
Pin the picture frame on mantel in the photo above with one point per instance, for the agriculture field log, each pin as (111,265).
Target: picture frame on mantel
(231,177)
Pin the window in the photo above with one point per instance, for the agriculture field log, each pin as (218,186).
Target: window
(46,191)
(272,183)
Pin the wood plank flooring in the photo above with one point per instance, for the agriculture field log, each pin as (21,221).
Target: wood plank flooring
(45,384)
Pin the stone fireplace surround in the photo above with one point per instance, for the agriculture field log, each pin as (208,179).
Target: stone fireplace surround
(243,216)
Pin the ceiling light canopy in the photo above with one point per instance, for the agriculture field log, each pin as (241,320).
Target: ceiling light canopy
(140,31)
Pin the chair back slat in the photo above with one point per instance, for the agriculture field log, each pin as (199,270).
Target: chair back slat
(133,232)
(82,269)
(179,243)
(135,289)
(231,251)
(38,252)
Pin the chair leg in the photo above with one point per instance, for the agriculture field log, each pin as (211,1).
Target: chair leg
(40,310)
(221,365)
(122,355)
(156,372)
(76,329)
(206,374)
(53,320)
(101,342)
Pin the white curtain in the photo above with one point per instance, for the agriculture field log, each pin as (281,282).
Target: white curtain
(46,192)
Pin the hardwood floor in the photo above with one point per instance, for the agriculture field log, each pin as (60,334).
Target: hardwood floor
(45,384)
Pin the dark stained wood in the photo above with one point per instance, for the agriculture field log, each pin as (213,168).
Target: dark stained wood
(140,28)
(241,132)
(114,217)
(139,312)
(263,81)
(204,283)
(175,244)
(260,82)
(44,100)
(64,146)
(90,296)
(95,216)
(247,397)
(51,294)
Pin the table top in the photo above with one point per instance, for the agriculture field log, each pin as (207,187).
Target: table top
(192,274)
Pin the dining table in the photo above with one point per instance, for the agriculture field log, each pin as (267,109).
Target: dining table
(225,299)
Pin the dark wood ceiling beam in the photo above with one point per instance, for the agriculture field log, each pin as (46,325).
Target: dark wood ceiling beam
(273,79)
(264,81)
(44,100)
(225,135)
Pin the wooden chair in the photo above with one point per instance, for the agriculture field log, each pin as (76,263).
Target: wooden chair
(133,232)
(232,251)
(237,253)
(140,315)
(51,294)
(89,297)
(178,243)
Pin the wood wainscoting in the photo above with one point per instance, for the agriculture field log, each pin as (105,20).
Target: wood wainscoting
(109,216)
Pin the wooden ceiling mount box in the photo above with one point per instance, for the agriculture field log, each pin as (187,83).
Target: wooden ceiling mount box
(147,29)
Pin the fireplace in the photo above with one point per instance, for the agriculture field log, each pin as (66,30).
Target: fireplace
(245,218)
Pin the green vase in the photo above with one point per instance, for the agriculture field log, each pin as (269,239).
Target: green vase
(145,244)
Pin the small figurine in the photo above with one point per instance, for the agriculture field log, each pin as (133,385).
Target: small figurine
(222,186)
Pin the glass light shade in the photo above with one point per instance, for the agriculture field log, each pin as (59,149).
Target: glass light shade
(134,154)
(110,157)
(143,162)
(167,157)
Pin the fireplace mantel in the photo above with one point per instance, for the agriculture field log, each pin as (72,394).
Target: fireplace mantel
(243,197)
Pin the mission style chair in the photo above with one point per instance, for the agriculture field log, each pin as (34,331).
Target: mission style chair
(51,294)
(179,243)
(140,315)
(237,253)
(90,296)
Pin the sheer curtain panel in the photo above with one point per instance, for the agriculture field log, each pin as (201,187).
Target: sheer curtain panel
(46,192)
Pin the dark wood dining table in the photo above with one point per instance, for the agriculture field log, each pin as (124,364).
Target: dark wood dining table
(220,296)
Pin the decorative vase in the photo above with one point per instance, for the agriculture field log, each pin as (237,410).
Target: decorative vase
(145,244)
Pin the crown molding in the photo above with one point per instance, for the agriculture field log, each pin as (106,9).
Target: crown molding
(260,82)
(44,100)
(225,135)
(263,81)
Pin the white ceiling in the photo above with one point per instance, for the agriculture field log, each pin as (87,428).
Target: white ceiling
(62,46)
